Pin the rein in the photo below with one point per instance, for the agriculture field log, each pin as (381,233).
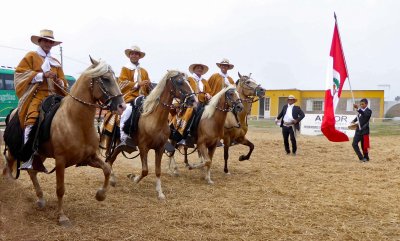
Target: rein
(104,105)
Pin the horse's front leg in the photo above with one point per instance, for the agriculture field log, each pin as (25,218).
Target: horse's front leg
(211,151)
(251,147)
(227,144)
(98,163)
(63,220)
(145,170)
(41,203)
(159,152)
(172,166)
(110,160)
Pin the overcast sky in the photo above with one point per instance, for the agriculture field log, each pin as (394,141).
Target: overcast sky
(283,43)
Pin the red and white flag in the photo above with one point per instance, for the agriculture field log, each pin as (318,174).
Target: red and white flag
(336,76)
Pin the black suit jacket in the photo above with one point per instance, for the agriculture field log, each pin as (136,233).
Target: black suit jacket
(297,114)
(363,117)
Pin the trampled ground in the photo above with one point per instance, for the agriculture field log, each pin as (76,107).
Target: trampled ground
(323,193)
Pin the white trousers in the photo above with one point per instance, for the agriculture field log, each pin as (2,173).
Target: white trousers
(124,117)
(27,130)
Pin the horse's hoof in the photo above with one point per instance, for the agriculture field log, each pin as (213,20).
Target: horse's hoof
(161,197)
(41,203)
(113,183)
(210,182)
(131,176)
(227,173)
(63,221)
(101,194)
(243,158)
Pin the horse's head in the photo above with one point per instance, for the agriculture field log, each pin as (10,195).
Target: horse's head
(232,100)
(181,88)
(105,88)
(249,87)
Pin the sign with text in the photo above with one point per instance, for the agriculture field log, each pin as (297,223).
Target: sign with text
(311,124)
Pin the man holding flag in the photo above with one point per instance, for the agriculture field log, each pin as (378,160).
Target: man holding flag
(362,131)
(336,76)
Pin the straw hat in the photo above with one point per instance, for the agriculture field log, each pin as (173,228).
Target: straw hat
(191,68)
(225,62)
(291,97)
(353,126)
(46,34)
(134,49)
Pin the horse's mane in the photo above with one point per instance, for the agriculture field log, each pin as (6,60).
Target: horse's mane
(210,107)
(153,98)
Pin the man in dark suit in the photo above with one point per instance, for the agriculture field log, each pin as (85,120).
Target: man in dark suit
(290,116)
(362,131)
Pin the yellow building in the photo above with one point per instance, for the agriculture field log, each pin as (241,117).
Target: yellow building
(312,101)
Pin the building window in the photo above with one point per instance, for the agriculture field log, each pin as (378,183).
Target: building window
(315,105)
(318,105)
(267,103)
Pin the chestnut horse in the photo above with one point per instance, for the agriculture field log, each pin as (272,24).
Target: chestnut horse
(73,138)
(153,130)
(248,90)
(211,128)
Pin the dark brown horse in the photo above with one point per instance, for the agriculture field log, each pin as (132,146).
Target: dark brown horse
(248,90)
(211,128)
(153,130)
(73,138)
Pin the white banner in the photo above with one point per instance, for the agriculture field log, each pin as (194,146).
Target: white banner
(311,124)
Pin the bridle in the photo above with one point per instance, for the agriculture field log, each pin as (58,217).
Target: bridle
(246,86)
(232,103)
(182,96)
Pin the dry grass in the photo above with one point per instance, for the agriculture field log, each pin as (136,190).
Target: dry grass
(323,193)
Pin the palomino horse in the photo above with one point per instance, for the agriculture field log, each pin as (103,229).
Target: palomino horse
(153,130)
(211,128)
(73,138)
(248,90)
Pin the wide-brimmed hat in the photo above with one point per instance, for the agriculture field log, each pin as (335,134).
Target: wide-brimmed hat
(291,97)
(46,34)
(225,62)
(134,49)
(192,66)
(353,126)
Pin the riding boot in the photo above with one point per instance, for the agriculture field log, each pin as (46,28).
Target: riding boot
(126,143)
(34,164)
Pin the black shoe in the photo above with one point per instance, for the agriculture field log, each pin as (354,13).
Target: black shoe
(127,145)
(365,159)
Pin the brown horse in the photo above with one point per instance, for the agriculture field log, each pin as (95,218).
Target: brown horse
(248,90)
(153,130)
(211,128)
(73,138)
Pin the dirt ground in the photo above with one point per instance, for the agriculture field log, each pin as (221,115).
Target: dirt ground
(323,193)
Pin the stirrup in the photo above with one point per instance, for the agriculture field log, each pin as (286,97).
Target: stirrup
(127,145)
(219,144)
(27,165)
(182,143)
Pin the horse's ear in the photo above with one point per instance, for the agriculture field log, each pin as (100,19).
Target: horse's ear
(94,62)
(240,76)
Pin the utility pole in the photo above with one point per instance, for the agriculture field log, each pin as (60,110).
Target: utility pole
(61,54)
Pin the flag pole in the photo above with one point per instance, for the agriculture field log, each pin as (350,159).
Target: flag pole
(345,64)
